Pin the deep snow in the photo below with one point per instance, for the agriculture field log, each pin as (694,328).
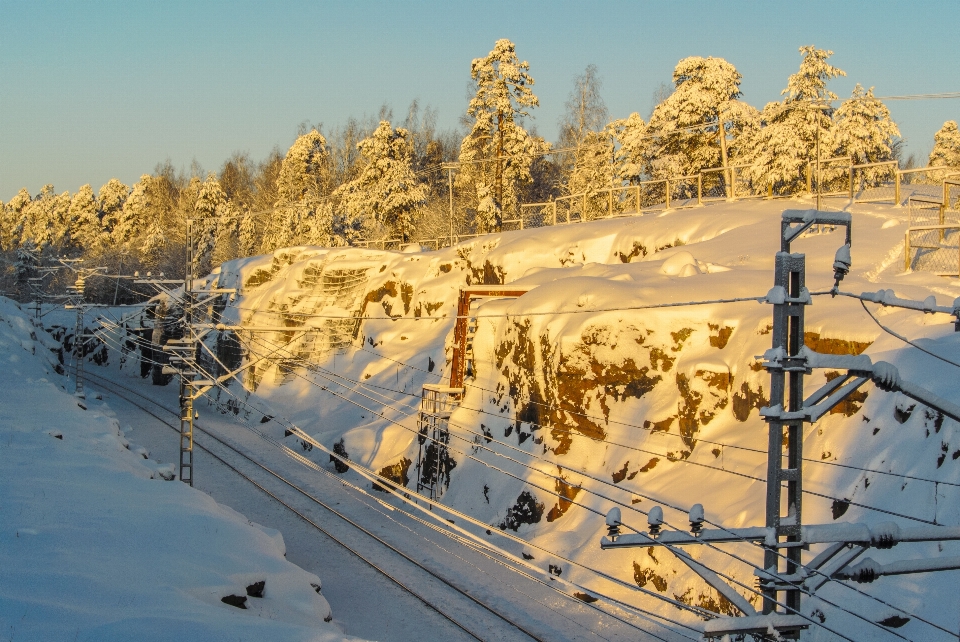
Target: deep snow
(96,545)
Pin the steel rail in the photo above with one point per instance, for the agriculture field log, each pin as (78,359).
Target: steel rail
(107,383)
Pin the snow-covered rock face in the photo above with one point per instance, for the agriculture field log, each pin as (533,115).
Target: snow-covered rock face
(94,544)
(580,392)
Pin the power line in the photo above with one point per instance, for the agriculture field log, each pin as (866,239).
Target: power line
(519,462)
(903,338)
(652,431)
(626,308)
(375,477)
(572,502)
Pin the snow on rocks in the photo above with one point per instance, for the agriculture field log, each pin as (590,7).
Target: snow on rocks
(600,393)
(681,264)
(95,546)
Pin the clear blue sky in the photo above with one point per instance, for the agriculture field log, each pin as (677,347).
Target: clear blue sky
(95,90)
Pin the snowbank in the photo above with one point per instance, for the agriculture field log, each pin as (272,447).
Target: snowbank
(94,545)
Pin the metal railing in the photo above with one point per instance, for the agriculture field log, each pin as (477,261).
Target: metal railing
(932,248)
(840,177)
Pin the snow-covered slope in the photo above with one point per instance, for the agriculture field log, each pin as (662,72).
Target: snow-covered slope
(582,395)
(95,545)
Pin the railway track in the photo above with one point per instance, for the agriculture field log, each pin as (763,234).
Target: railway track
(127,394)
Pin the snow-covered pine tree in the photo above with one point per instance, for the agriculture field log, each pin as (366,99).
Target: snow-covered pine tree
(302,183)
(110,200)
(86,231)
(27,260)
(134,216)
(690,130)
(46,219)
(781,150)
(211,219)
(630,136)
(249,234)
(498,151)
(864,131)
(386,191)
(946,146)
(153,246)
(488,212)
(15,219)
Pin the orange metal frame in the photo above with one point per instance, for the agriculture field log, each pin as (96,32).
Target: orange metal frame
(466,298)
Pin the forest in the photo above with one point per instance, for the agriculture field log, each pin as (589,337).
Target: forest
(399,180)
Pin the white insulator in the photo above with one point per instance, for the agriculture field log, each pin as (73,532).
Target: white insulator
(696,517)
(655,517)
(613,517)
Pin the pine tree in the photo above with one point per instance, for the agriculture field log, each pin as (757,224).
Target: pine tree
(134,216)
(498,151)
(111,199)
(689,130)
(865,132)
(630,134)
(86,231)
(46,219)
(302,183)
(211,209)
(15,215)
(489,217)
(249,234)
(26,263)
(946,146)
(386,190)
(780,151)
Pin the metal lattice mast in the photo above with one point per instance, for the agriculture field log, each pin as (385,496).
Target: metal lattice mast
(78,341)
(186,374)
(786,437)
(784,578)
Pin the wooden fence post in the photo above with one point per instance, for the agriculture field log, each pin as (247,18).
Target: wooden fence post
(666,191)
(700,188)
(906,250)
(851,182)
(896,187)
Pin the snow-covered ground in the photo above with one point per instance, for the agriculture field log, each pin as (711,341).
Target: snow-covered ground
(582,396)
(96,545)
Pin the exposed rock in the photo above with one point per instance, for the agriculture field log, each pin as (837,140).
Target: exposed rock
(527,510)
(256,589)
(239,601)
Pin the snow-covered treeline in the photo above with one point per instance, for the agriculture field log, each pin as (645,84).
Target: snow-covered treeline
(385,178)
